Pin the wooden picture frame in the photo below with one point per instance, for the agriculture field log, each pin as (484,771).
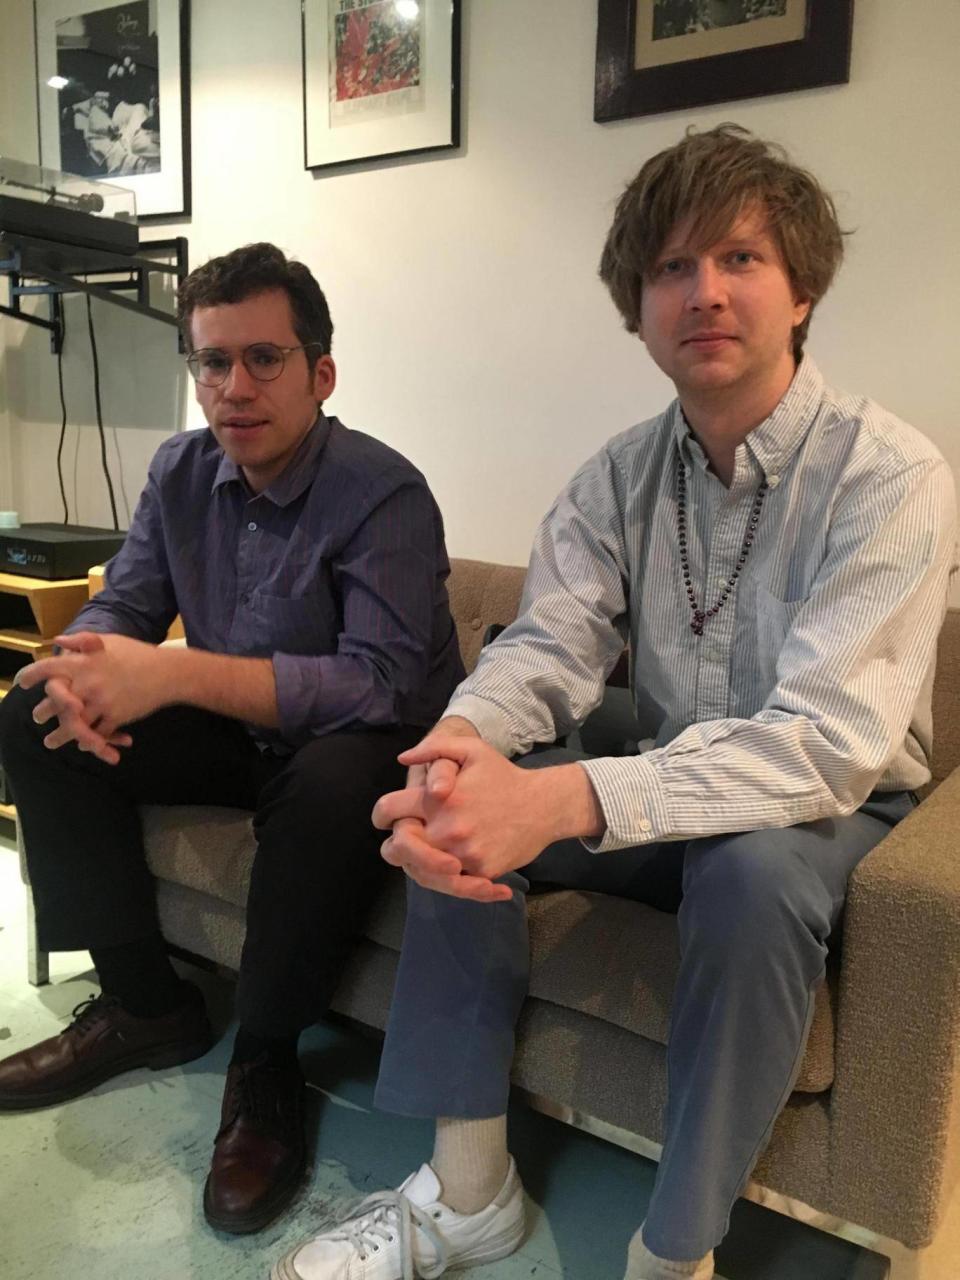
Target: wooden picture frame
(664,55)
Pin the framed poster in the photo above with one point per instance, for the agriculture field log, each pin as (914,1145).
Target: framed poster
(664,55)
(380,78)
(113,96)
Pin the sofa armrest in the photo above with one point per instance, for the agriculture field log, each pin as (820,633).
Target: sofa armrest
(895,1095)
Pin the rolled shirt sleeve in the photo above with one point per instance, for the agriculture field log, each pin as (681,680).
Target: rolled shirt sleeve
(386,577)
(138,597)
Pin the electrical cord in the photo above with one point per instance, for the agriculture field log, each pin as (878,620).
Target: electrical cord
(103,437)
(63,420)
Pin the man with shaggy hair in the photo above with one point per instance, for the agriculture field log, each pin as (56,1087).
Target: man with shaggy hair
(776,554)
(307,563)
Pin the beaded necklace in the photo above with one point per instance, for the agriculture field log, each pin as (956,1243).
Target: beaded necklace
(700,616)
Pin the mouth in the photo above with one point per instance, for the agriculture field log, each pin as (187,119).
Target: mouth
(707,341)
(243,424)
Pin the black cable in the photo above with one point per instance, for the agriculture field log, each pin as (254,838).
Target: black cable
(103,437)
(63,421)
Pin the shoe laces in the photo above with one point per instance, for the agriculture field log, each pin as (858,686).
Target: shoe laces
(88,1013)
(260,1093)
(388,1215)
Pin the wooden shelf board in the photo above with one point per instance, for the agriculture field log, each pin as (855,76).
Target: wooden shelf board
(24,641)
(17,585)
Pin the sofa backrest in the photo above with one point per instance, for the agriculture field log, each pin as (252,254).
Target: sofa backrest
(481,593)
(946,700)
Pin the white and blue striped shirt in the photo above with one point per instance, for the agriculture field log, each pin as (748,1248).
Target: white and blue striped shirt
(810,688)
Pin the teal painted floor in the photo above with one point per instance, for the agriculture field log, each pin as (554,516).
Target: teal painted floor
(108,1186)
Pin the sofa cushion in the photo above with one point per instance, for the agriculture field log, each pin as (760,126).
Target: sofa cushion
(607,957)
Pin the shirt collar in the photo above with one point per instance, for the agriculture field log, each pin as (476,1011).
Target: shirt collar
(774,441)
(297,476)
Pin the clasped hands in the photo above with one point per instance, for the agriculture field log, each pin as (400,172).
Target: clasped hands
(467,815)
(95,686)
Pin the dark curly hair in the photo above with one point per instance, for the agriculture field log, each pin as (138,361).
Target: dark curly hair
(254,269)
(712,178)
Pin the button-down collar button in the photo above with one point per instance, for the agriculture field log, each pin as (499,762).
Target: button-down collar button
(252,526)
(773,481)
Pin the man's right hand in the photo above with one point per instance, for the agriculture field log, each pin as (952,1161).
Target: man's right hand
(74,725)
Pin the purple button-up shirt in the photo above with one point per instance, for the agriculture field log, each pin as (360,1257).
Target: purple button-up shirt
(336,572)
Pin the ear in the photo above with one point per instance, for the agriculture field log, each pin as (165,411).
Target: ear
(324,378)
(800,311)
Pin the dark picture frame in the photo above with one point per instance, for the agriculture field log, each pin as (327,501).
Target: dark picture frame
(113,97)
(381,80)
(821,56)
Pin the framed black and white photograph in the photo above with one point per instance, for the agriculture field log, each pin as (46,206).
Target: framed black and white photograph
(666,55)
(113,96)
(380,79)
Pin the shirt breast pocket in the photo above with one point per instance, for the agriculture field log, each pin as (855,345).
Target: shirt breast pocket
(775,618)
(284,624)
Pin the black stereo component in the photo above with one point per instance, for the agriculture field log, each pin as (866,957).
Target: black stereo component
(56,550)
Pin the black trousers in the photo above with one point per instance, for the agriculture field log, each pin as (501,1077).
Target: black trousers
(317,867)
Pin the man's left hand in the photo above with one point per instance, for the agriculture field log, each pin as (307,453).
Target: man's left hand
(496,818)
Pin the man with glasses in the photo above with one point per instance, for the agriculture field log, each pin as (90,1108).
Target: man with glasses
(307,563)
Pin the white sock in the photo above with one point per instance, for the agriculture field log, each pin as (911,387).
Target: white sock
(644,1265)
(470,1160)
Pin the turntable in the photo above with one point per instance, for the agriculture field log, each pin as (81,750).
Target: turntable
(63,207)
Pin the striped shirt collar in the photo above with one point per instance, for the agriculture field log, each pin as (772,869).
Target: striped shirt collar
(777,438)
(297,475)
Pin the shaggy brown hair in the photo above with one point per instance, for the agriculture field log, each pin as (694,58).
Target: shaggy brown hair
(254,269)
(712,178)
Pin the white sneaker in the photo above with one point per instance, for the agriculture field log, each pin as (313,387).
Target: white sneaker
(397,1235)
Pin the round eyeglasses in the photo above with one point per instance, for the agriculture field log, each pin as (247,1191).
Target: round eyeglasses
(262,360)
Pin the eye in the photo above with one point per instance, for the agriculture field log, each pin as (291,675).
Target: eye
(743,257)
(213,361)
(264,357)
(670,267)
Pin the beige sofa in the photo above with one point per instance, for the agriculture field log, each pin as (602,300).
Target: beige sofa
(872,1133)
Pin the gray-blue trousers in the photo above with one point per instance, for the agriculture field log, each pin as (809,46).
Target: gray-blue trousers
(756,911)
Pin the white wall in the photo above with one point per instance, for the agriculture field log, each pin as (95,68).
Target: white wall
(18,137)
(471,330)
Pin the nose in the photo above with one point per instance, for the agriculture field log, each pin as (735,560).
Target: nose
(239,384)
(708,291)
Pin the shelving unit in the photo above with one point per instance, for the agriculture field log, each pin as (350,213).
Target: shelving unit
(32,613)
(47,268)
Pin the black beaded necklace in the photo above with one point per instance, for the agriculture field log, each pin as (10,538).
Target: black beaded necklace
(700,616)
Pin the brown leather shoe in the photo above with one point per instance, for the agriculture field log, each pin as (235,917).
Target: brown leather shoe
(259,1156)
(102,1041)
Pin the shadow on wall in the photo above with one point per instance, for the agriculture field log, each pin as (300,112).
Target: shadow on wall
(143,380)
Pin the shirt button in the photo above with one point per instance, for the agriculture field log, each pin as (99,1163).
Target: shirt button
(645,825)
(252,526)
(773,481)
(712,653)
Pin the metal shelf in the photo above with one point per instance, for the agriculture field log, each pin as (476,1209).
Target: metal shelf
(50,269)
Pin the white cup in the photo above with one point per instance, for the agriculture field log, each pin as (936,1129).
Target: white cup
(9,520)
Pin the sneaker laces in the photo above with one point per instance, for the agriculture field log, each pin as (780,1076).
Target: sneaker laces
(382,1215)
